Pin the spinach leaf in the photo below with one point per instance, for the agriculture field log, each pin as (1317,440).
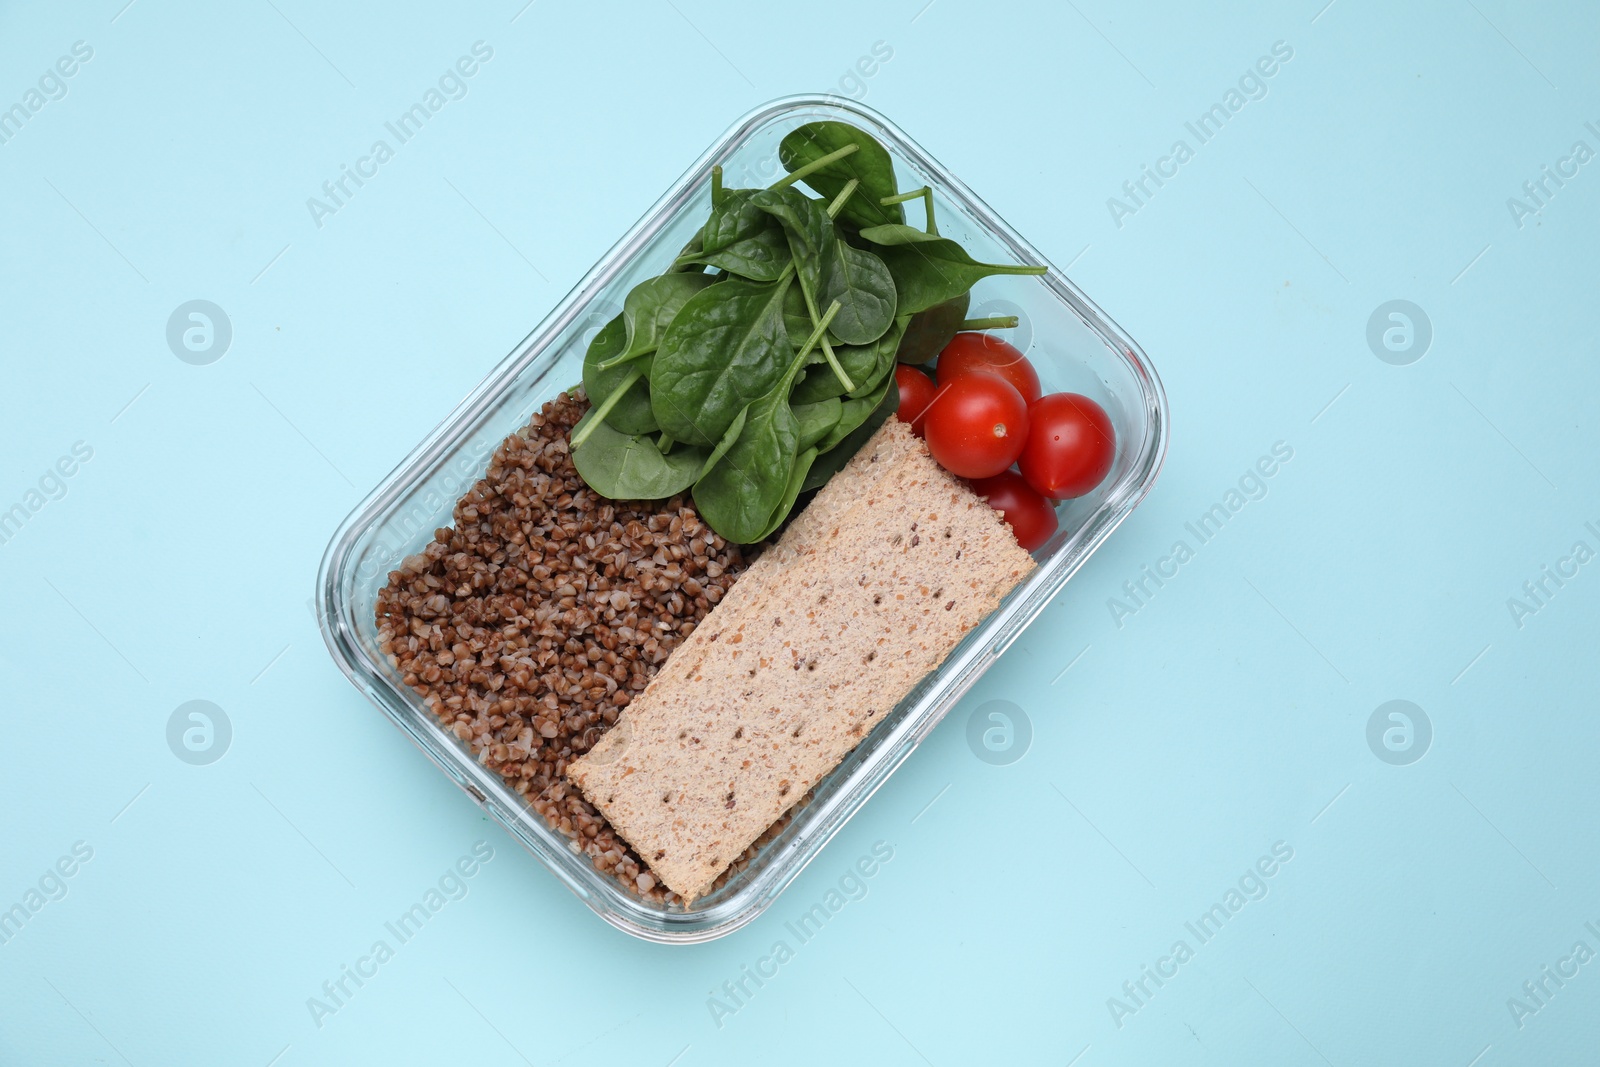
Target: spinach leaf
(865,290)
(632,413)
(748,494)
(929,269)
(810,233)
(760,259)
(833,460)
(734,430)
(818,253)
(870,165)
(726,347)
(865,364)
(932,328)
(733,220)
(651,306)
(882,352)
(820,382)
(796,318)
(742,239)
(856,411)
(817,420)
(684,262)
(738,496)
(797,480)
(630,466)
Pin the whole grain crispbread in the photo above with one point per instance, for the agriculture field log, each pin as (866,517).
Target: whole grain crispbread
(869,589)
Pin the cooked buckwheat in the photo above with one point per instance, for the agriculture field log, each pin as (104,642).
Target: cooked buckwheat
(533,621)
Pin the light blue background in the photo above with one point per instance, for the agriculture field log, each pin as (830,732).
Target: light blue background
(1229,713)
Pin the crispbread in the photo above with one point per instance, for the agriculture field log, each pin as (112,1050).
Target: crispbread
(866,593)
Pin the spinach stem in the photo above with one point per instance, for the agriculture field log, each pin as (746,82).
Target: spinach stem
(816,336)
(811,304)
(600,413)
(926,193)
(716,185)
(665,443)
(1006,268)
(838,371)
(994,322)
(827,349)
(814,166)
(844,194)
(617,361)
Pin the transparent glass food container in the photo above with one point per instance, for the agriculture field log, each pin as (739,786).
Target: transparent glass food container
(1070,341)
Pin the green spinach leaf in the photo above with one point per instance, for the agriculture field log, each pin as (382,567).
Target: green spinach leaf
(882,352)
(796,318)
(760,259)
(810,234)
(929,269)
(726,347)
(742,239)
(748,494)
(733,220)
(630,466)
(735,428)
(651,306)
(797,480)
(685,262)
(870,166)
(865,290)
(820,382)
(865,364)
(932,328)
(739,495)
(632,413)
(817,420)
(833,460)
(857,411)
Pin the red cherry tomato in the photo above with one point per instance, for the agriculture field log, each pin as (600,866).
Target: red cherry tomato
(976,425)
(916,393)
(1070,445)
(969,352)
(1030,516)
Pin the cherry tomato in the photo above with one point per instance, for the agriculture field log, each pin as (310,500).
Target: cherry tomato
(970,352)
(1070,445)
(916,392)
(976,425)
(1031,517)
